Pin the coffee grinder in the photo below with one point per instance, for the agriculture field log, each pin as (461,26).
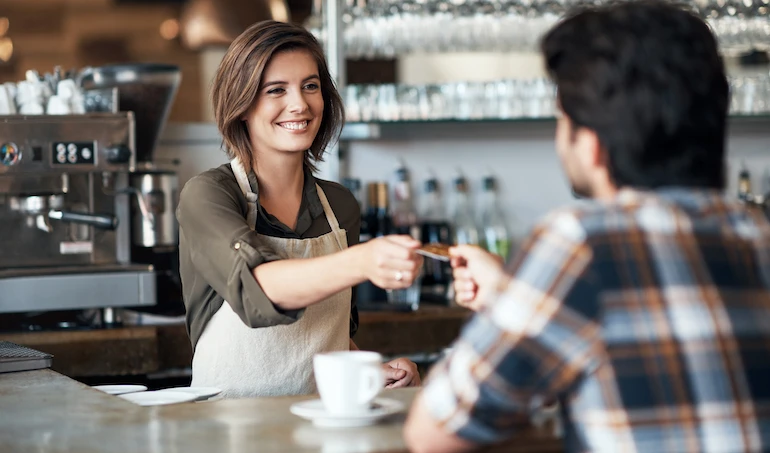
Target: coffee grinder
(149,90)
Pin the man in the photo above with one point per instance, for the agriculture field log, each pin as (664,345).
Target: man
(646,312)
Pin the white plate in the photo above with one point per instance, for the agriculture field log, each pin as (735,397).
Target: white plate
(120,389)
(157,398)
(315,411)
(200,393)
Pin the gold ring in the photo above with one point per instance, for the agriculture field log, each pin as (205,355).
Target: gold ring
(399,276)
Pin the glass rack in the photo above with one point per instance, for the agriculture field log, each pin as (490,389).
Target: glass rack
(502,99)
(386,28)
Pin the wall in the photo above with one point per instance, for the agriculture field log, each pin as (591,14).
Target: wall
(77,33)
(521,155)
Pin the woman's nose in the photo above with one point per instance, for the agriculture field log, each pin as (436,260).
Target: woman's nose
(297,103)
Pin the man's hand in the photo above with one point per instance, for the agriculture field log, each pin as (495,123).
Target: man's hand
(401,373)
(478,275)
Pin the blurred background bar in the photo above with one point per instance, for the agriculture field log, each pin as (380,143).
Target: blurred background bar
(449,138)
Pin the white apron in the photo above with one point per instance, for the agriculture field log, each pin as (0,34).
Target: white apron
(277,360)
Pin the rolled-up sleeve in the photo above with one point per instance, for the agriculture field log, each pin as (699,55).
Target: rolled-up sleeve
(221,250)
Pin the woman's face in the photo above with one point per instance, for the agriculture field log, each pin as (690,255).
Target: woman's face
(289,108)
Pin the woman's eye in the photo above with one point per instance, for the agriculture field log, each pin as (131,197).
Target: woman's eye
(275,91)
(311,86)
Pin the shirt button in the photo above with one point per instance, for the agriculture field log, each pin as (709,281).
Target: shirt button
(237,246)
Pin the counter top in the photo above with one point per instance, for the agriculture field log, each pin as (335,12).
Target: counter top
(44,411)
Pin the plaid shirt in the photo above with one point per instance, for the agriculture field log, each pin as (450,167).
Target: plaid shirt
(648,317)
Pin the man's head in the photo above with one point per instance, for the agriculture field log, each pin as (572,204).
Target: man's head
(644,98)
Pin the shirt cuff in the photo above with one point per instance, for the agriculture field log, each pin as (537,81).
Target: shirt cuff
(267,311)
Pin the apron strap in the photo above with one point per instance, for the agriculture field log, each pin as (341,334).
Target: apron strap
(251,197)
(330,217)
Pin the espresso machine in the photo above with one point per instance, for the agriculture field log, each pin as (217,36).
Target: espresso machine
(65,229)
(148,90)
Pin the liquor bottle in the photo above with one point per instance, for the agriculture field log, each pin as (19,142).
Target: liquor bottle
(378,219)
(377,223)
(434,228)
(354,186)
(744,185)
(404,216)
(495,235)
(465,231)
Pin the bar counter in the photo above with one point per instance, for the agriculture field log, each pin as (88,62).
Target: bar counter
(139,350)
(44,411)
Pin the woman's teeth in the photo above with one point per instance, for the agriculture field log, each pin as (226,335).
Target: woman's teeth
(294,126)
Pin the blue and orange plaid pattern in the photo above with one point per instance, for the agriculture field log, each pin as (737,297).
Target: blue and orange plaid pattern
(648,317)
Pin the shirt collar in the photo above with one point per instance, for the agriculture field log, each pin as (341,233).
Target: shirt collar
(309,209)
(698,198)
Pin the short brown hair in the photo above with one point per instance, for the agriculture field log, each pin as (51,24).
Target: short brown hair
(237,81)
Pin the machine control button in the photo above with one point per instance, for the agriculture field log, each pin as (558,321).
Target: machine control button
(74,153)
(9,154)
(119,154)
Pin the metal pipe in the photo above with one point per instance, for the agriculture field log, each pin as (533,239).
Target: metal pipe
(334,33)
(335,59)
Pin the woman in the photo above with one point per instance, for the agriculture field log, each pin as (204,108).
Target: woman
(268,253)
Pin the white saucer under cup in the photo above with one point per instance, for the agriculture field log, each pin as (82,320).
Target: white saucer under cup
(348,381)
(315,411)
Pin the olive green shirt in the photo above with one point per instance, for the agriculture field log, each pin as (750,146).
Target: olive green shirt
(217,250)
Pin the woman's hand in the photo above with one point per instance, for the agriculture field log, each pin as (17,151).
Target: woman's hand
(401,373)
(390,262)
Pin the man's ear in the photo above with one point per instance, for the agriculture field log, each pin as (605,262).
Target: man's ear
(589,149)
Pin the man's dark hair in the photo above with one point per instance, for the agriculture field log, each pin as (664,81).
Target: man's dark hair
(648,79)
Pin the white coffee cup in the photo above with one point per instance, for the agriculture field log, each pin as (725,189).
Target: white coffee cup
(348,381)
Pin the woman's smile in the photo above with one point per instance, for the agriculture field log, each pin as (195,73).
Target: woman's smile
(294,126)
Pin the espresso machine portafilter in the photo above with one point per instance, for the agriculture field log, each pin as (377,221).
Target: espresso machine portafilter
(64,214)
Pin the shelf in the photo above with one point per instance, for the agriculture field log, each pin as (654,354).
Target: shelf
(400,130)
(192,134)
(493,128)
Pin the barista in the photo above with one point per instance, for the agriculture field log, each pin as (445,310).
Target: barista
(269,253)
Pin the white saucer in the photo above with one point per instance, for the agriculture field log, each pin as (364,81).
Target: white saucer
(120,389)
(200,393)
(315,411)
(157,398)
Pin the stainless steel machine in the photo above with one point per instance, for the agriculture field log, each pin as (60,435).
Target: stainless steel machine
(148,90)
(65,225)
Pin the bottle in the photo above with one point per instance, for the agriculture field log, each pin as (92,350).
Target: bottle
(494,231)
(434,228)
(354,186)
(403,214)
(465,231)
(744,185)
(378,220)
(377,223)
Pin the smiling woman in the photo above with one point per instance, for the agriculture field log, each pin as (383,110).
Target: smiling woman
(269,253)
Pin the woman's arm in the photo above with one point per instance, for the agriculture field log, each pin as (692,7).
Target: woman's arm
(389,262)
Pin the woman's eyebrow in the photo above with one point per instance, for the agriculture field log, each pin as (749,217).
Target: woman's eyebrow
(281,82)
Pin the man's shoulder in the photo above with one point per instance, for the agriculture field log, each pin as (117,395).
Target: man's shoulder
(591,218)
